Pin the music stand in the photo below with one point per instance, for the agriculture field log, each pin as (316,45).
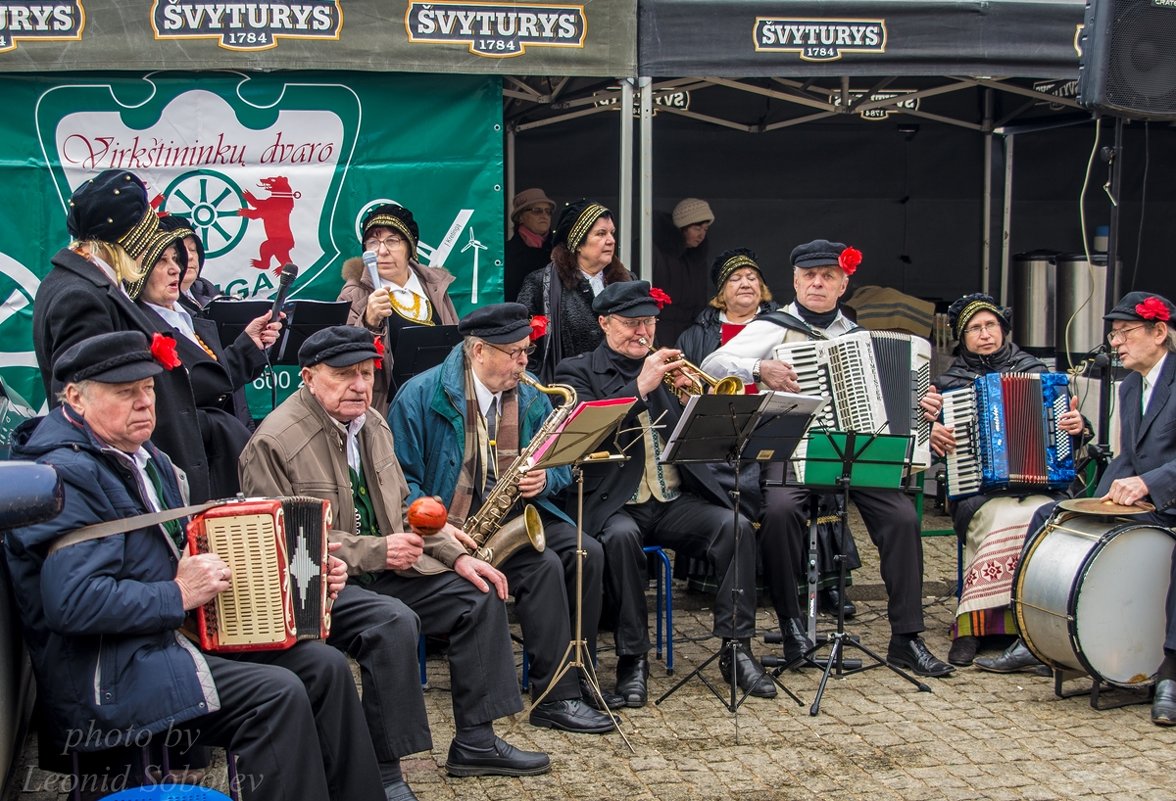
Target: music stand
(838,461)
(574,443)
(303,318)
(421,347)
(726,424)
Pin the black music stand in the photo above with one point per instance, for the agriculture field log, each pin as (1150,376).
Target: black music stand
(574,443)
(839,461)
(719,428)
(419,348)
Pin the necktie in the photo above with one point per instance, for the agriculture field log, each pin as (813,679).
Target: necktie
(172,527)
(1143,398)
(491,434)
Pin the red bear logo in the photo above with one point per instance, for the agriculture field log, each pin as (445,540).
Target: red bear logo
(274,212)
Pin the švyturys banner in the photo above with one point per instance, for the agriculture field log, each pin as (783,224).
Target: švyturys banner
(268,168)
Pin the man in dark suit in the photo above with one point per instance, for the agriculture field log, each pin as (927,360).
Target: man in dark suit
(643,501)
(1145,468)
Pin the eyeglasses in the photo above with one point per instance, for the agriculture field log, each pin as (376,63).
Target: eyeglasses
(388,242)
(540,210)
(633,323)
(987,328)
(514,353)
(1121,334)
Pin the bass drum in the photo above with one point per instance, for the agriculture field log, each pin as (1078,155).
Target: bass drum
(1089,596)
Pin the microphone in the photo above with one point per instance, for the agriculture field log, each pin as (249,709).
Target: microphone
(289,273)
(1102,356)
(373,270)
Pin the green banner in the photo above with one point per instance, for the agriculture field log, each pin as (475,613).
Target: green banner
(269,168)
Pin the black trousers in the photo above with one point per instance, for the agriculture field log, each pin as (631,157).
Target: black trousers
(481,659)
(1045,511)
(381,634)
(692,526)
(893,525)
(544,588)
(294,722)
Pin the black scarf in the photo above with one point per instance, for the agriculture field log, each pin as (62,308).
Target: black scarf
(1000,360)
(817,319)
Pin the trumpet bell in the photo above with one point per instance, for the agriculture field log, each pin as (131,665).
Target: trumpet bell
(728,386)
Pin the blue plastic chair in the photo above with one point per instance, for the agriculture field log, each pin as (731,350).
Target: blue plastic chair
(665,604)
(168,792)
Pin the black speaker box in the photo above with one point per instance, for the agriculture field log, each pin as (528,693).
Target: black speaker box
(1128,63)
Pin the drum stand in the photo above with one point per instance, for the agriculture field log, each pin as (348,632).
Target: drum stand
(840,639)
(576,655)
(1129,697)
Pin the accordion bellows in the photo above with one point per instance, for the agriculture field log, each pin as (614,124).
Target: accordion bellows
(277,550)
(1007,434)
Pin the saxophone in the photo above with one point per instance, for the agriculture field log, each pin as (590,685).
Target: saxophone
(497,541)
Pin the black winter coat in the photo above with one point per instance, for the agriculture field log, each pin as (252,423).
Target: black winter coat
(77,301)
(522,260)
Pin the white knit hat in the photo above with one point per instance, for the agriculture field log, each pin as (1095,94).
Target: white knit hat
(692,210)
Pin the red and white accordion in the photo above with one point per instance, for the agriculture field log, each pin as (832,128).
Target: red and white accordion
(277,550)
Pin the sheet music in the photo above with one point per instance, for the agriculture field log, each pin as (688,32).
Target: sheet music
(583,430)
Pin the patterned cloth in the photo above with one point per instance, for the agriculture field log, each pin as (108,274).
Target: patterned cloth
(995,536)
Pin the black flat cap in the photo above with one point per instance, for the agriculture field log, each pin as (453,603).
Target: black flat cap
(119,357)
(818,253)
(112,207)
(731,260)
(399,219)
(626,299)
(576,220)
(338,346)
(499,323)
(1144,306)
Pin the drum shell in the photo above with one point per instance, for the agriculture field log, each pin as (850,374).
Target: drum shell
(1089,596)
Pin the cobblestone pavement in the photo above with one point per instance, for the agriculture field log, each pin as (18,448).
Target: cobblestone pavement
(975,735)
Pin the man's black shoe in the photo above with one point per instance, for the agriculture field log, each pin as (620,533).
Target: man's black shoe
(1015,658)
(1163,711)
(632,679)
(915,657)
(795,640)
(571,715)
(500,759)
(830,598)
(749,674)
(398,791)
(611,699)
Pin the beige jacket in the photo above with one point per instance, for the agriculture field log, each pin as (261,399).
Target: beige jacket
(358,287)
(300,450)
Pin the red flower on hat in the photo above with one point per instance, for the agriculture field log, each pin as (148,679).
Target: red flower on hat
(1153,309)
(164,350)
(538,326)
(659,297)
(849,260)
(378,341)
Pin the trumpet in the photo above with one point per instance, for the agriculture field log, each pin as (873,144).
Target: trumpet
(699,380)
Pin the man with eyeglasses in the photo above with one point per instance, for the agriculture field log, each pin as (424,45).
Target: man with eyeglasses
(644,502)
(457,429)
(530,248)
(820,275)
(408,294)
(1144,470)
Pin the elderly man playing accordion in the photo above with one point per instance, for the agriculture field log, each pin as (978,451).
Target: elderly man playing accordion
(1144,470)
(102,616)
(463,432)
(644,501)
(324,441)
(821,271)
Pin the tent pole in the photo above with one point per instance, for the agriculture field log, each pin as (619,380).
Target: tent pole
(509,170)
(646,269)
(625,193)
(986,211)
(1006,220)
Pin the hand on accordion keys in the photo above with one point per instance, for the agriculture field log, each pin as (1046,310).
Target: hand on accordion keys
(201,577)
(931,403)
(1071,422)
(779,375)
(942,439)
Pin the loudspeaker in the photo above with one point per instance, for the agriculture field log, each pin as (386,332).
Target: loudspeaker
(1128,63)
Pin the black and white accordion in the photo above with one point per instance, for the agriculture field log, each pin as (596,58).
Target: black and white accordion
(872,380)
(277,550)
(1007,434)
